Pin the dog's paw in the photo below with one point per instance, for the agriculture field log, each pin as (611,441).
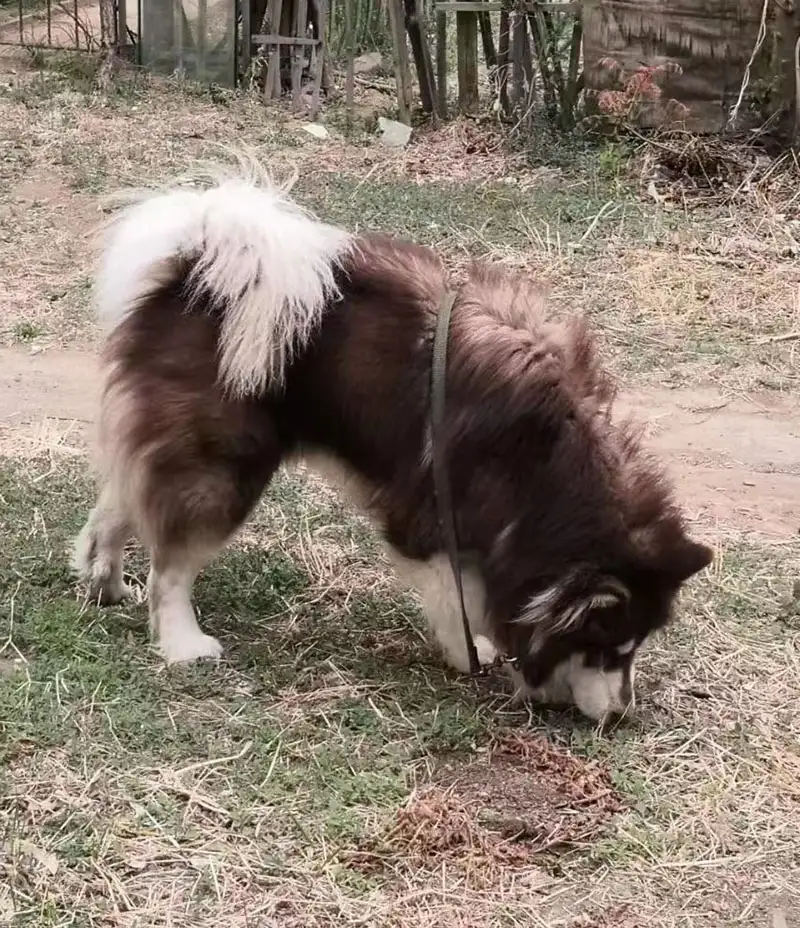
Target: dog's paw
(184,649)
(100,575)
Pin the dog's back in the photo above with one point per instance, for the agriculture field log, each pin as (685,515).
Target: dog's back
(243,332)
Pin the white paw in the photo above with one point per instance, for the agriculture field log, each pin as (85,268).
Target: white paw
(102,576)
(487,653)
(184,649)
(108,592)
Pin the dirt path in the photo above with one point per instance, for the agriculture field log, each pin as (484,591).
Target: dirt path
(736,460)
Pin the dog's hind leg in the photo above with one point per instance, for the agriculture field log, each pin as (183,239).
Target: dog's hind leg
(99,548)
(188,517)
(189,507)
(192,465)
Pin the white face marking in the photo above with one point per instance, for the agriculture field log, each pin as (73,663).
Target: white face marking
(596,692)
(627,647)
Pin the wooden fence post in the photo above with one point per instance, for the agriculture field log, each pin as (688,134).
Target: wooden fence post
(350,41)
(467,39)
(272,84)
(441,60)
(487,39)
(401,70)
(503,55)
(247,37)
(422,56)
(298,53)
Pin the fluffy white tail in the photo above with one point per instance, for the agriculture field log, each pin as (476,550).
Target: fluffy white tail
(267,262)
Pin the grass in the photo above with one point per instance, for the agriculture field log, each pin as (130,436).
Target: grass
(713,285)
(137,796)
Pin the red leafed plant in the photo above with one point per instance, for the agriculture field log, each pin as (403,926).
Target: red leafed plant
(635,89)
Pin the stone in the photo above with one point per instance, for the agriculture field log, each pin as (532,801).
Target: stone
(392,133)
(315,129)
(369,63)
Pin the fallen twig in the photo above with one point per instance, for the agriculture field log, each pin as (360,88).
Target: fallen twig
(786,337)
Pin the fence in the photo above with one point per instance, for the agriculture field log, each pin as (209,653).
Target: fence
(77,25)
(198,38)
(531,54)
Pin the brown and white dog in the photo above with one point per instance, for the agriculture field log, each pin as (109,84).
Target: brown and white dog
(243,333)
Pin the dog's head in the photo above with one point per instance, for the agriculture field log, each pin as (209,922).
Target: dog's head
(574,626)
(578,638)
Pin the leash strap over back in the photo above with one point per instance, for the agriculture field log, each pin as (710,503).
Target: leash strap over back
(441,479)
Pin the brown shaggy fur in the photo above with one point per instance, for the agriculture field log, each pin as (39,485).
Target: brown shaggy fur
(557,507)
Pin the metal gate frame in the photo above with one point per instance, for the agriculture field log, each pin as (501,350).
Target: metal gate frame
(196,62)
(67,25)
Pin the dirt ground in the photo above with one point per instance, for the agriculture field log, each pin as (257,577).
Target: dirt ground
(736,459)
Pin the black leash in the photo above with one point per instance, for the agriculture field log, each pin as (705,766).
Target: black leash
(441,480)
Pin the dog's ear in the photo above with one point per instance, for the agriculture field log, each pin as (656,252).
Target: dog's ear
(671,553)
(687,559)
(566,605)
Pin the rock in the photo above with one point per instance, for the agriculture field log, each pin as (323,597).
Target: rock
(315,129)
(368,63)
(394,134)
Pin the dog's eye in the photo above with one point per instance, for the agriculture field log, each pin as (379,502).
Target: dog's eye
(613,660)
(600,623)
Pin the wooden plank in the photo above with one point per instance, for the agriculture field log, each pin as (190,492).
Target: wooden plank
(414,18)
(285,26)
(541,45)
(177,12)
(467,47)
(272,84)
(202,39)
(300,25)
(320,9)
(284,40)
(327,70)
(487,39)
(571,88)
(527,66)
(441,61)
(350,41)
(247,38)
(552,49)
(503,56)
(519,35)
(122,24)
(401,69)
